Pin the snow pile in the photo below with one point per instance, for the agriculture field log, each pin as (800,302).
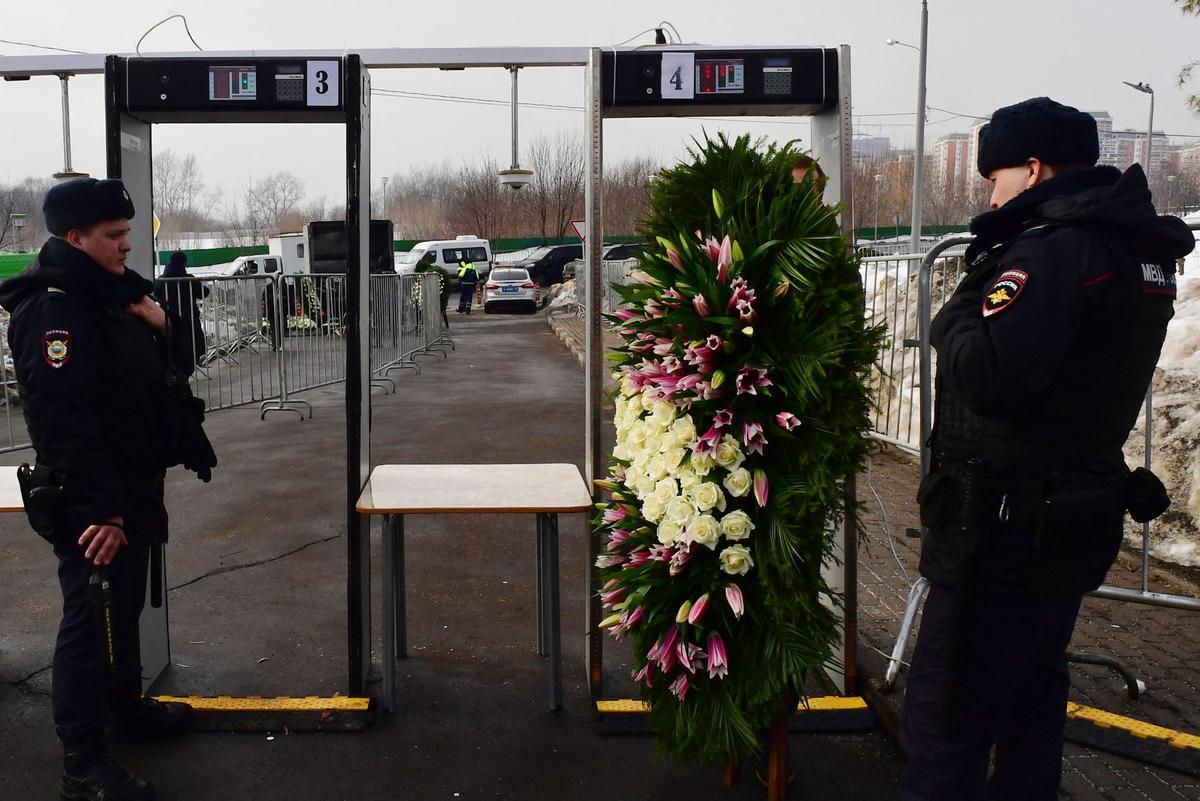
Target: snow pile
(561,297)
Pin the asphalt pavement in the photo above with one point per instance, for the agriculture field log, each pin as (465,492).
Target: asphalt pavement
(256,578)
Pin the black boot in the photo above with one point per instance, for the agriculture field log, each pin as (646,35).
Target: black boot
(151,719)
(91,774)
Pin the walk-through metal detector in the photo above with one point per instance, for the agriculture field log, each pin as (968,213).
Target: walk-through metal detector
(143,92)
(680,81)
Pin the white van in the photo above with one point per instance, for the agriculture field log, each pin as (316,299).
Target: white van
(290,250)
(448,253)
(242,265)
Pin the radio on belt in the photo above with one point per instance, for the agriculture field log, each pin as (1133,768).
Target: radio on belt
(295,89)
(761,81)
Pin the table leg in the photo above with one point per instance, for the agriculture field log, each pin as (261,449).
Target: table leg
(540,550)
(401,589)
(554,633)
(389,616)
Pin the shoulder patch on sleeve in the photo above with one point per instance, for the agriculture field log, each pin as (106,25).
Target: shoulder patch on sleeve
(1004,291)
(1157,279)
(56,347)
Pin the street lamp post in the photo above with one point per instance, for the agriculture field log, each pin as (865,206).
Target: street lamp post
(878,183)
(919,153)
(1170,190)
(1145,89)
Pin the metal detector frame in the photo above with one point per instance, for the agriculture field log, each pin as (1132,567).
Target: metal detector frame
(831,146)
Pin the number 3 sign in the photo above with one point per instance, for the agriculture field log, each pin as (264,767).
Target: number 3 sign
(324,83)
(678,76)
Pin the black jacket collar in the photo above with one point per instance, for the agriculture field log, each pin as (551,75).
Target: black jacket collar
(60,265)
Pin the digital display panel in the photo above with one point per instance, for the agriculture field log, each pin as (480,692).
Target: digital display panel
(720,76)
(232,83)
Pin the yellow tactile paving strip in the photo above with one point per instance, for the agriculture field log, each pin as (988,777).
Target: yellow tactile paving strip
(311,703)
(1138,728)
(628,706)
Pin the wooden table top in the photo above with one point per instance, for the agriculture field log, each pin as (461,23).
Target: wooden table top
(10,491)
(453,488)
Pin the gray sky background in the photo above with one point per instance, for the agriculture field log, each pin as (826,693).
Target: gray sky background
(982,54)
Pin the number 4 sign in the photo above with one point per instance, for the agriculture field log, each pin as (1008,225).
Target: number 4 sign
(324,83)
(678,76)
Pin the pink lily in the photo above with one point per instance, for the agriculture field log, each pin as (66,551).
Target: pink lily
(787,420)
(708,441)
(637,558)
(663,346)
(680,686)
(672,298)
(612,597)
(750,378)
(707,391)
(628,621)
(702,358)
(723,418)
(690,656)
(711,248)
(746,312)
(713,343)
(672,365)
(666,653)
(661,553)
(654,309)
(753,437)
(724,260)
(618,536)
(675,259)
(609,560)
(782,289)
(625,315)
(718,657)
(760,488)
(733,596)
(701,305)
(690,381)
(614,514)
(644,674)
(680,558)
(698,609)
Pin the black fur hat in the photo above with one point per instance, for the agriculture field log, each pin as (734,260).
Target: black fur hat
(1037,128)
(85,201)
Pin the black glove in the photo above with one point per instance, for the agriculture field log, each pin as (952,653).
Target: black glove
(1145,495)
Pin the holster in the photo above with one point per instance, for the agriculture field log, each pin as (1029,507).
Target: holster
(42,494)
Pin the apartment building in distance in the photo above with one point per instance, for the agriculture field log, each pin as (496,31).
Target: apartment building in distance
(951,161)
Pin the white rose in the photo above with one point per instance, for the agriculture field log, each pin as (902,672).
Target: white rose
(684,429)
(647,401)
(672,459)
(706,495)
(680,510)
(728,454)
(736,561)
(666,489)
(668,532)
(656,468)
(663,413)
(702,464)
(739,482)
(644,487)
(653,441)
(736,525)
(705,530)
(627,387)
(652,509)
(687,477)
(636,434)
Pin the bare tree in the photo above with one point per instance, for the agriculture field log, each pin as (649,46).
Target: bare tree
(479,203)
(625,194)
(179,197)
(22,233)
(555,195)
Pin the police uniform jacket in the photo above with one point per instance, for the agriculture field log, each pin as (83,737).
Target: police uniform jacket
(91,381)
(1044,353)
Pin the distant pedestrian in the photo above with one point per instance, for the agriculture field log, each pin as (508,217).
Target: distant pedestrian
(182,297)
(468,278)
(427,265)
(1044,352)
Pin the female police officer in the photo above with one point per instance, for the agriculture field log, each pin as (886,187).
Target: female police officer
(90,346)
(1045,351)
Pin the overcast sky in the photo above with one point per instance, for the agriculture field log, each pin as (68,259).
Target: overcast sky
(982,54)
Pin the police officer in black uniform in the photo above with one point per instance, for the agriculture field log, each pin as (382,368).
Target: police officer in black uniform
(1044,351)
(90,348)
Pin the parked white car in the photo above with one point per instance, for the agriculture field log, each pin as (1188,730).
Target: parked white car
(510,286)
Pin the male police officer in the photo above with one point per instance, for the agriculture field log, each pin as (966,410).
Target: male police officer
(1045,351)
(90,346)
(468,277)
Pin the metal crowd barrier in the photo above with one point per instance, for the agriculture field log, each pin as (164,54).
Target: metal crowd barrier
(939,274)
(612,273)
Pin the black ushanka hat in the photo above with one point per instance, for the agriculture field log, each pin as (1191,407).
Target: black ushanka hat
(1037,128)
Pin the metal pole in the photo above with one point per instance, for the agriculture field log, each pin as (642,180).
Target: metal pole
(919,154)
(878,182)
(1150,136)
(63,80)
(1149,390)
(515,160)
